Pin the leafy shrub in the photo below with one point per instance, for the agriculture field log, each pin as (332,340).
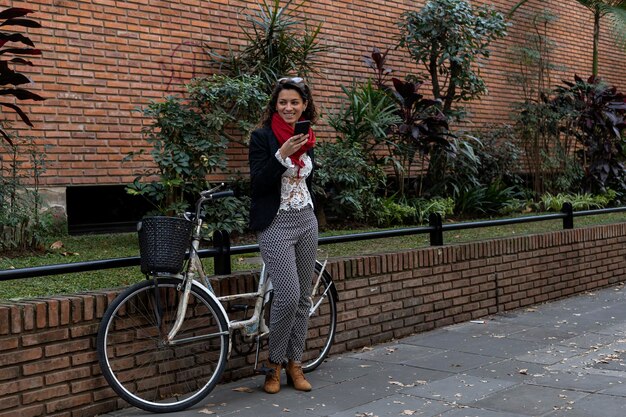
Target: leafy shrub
(185,150)
(392,213)
(425,207)
(189,139)
(485,199)
(346,182)
(499,156)
(229,104)
(461,168)
(232,213)
(585,201)
(421,127)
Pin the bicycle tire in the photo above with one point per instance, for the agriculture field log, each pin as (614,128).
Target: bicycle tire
(145,371)
(322,322)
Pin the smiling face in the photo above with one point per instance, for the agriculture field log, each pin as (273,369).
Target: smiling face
(290,106)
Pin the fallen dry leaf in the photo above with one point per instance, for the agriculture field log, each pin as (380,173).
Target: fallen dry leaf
(366,349)
(243,389)
(523,371)
(408,412)
(207,411)
(56,245)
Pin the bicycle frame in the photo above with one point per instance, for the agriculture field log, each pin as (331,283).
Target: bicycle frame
(254,326)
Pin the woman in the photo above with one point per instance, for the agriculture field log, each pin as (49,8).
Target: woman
(281,212)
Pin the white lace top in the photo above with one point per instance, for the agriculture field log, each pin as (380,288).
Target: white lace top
(294,194)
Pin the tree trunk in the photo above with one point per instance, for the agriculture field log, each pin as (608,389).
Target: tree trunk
(596,40)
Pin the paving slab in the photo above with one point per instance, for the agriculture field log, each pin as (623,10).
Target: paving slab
(397,405)
(529,400)
(511,370)
(452,361)
(592,406)
(459,389)
(477,412)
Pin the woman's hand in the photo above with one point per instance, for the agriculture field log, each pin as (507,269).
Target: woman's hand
(292,145)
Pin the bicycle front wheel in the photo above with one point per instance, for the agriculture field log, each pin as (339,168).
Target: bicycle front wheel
(144,368)
(322,320)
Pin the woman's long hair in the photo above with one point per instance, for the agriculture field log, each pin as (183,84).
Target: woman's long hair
(310,113)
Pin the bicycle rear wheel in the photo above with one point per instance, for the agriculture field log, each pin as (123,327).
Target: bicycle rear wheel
(322,321)
(144,369)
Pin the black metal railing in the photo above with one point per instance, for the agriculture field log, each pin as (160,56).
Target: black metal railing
(222,250)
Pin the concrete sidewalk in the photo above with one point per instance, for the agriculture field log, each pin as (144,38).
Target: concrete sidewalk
(565,358)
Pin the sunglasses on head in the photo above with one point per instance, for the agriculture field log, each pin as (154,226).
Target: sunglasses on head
(292,80)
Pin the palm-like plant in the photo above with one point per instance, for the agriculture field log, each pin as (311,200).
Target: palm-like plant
(280,42)
(11,53)
(612,9)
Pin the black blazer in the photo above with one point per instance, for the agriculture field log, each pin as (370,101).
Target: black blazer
(265,178)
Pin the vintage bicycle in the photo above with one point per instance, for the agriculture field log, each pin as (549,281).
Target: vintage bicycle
(163,343)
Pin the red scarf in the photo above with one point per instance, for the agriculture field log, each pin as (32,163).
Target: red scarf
(284,131)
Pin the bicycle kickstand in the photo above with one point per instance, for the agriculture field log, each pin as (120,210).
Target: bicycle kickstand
(263,370)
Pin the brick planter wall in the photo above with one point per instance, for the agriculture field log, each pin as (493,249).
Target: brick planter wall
(48,365)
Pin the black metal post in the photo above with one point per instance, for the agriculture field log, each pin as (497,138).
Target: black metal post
(568,220)
(436,235)
(221,242)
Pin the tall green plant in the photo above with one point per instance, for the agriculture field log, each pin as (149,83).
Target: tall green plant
(450,38)
(533,57)
(365,117)
(279,42)
(11,54)
(22,225)
(422,131)
(615,10)
(421,126)
(597,119)
(537,121)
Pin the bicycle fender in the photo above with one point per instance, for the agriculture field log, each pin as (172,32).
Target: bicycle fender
(202,288)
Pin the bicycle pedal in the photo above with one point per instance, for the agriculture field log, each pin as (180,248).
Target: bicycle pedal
(262,370)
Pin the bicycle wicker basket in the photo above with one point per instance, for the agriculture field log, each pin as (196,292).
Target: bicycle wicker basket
(163,242)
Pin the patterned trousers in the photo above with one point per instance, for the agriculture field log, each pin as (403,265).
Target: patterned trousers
(289,247)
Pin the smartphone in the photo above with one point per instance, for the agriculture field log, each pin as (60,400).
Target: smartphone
(302,127)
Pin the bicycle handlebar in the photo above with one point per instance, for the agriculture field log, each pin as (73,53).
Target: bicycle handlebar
(215,196)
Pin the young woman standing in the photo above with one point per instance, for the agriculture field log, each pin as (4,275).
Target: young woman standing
(281,212)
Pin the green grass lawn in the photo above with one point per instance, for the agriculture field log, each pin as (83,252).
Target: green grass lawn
(93,247)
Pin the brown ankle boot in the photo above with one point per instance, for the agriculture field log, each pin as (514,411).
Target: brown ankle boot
(295,376)
(272,379)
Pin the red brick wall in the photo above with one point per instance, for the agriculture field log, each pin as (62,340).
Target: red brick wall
(104,58)
(48,365)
